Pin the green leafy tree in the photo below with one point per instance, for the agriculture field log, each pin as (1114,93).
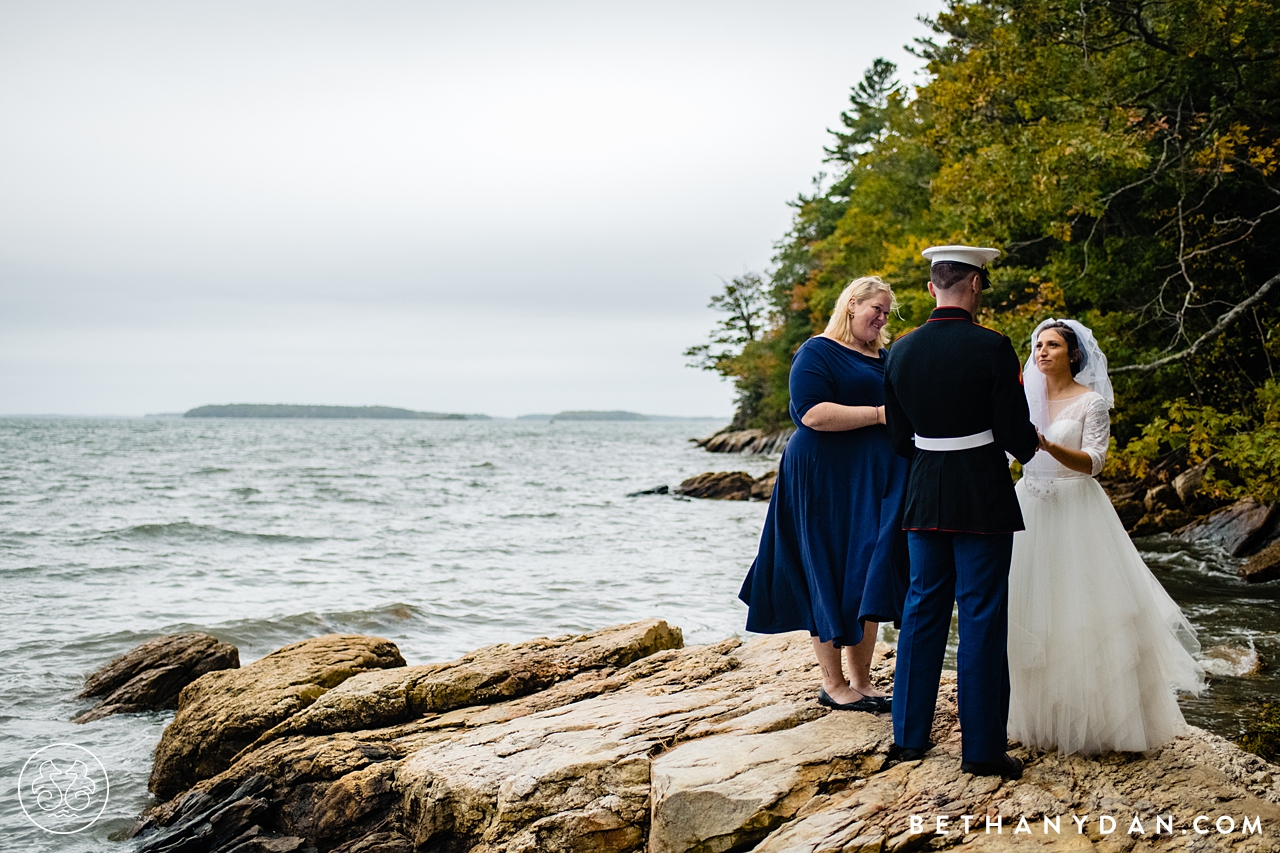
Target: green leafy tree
(1121,153)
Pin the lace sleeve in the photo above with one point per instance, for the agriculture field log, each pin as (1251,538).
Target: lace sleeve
(1096,434)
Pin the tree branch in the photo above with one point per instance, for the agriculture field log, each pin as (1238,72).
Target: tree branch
(1221,326)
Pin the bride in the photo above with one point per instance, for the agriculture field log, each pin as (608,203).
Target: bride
(1096,646)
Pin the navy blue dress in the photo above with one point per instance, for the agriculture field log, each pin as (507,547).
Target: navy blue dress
(833,552)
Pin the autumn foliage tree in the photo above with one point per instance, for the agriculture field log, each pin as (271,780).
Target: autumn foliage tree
(1121,153)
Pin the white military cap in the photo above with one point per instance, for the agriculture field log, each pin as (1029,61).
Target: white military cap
(973,256)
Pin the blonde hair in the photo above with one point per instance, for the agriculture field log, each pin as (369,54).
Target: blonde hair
(859,290)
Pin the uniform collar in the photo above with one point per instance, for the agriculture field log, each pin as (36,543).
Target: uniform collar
(950,314)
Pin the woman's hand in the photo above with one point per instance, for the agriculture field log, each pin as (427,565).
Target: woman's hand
(1076,460)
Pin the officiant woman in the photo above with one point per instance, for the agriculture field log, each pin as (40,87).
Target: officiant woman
(833,557)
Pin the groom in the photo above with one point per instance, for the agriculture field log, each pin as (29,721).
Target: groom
(954,404)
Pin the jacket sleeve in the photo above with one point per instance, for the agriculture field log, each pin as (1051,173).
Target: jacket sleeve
(901,432)
(1010,417)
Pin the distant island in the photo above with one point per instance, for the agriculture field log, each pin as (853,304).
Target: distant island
(599,416)
(277,410)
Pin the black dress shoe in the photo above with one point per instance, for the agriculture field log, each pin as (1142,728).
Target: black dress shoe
(866,703)
(908,753)
(1005,766)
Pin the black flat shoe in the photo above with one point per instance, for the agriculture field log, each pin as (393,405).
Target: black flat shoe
(907,753)
(866,703)
(1006,766)
(885,702)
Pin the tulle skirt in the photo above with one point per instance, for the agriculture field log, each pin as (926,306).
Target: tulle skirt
(1097,648)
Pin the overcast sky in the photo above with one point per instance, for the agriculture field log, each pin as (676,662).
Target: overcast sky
(464,207)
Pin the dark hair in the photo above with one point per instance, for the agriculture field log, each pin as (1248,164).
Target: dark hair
(947,274)
(1073,344)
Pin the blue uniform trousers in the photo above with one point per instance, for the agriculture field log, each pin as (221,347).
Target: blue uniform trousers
(972,570)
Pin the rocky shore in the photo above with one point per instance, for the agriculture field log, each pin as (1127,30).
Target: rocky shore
(625,740)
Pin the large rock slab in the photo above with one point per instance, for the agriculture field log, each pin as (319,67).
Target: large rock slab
(747,441)
(709,748)
(221,713)
(1198,774)
(719,485)
(150,676)
(721,793)
(492,674)
(1236,528)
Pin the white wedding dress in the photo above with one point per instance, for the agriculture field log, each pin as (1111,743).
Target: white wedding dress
(1097,648)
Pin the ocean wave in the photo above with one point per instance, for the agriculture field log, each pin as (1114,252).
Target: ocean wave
(187,531)
(256,637)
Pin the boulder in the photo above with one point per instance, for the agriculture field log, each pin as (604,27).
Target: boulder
(222,820)
(1188,484)
(1262,566)
(1235,529)
(1130,512)
(1231,661)
(706,749)
(150,677)
(719,485)
(762,489)
(222,712)
(1160,498)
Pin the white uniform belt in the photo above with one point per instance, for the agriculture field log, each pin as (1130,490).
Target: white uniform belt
(963,442)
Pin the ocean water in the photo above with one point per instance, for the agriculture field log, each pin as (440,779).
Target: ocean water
(442,536)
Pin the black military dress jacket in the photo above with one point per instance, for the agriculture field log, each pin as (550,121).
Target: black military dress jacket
(951,378)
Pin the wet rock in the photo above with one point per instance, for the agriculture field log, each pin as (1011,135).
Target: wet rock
(222,821)
(1231,661)
(762,489)
(1235,529)
(719,485)
(656,490)
(151,676)
(748,441)
(221,713)
(1262,566)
